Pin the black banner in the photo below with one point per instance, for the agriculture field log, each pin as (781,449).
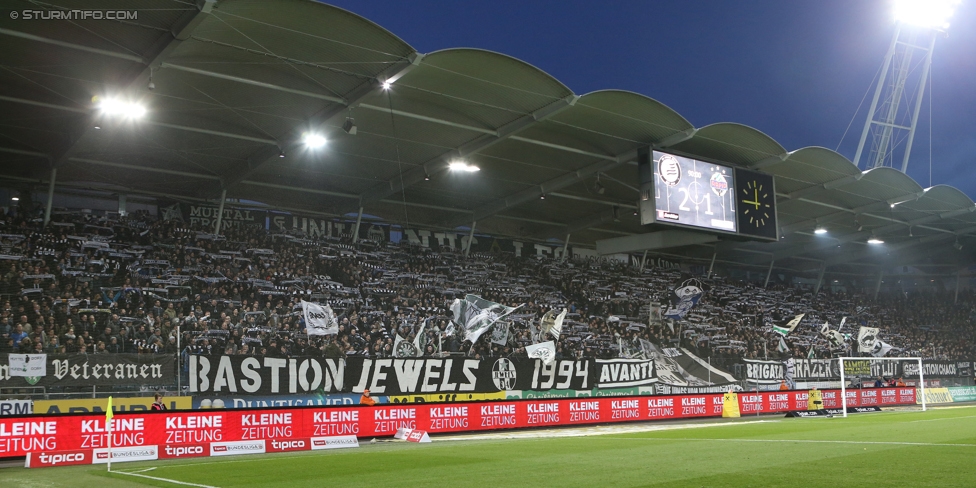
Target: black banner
(625,373)
(98,370)
(932,369)
(264,375)
(765,372)
(250,375)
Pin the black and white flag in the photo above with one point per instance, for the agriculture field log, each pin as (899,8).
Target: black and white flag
(785,330)
(499,333)
(476,315)
(688,295)
(866,339)
(319,320)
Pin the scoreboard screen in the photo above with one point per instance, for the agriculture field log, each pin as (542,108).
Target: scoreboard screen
(694,193)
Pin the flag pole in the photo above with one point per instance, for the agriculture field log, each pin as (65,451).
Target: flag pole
(108,424)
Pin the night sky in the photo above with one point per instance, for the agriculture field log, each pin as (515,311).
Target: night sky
(794,70)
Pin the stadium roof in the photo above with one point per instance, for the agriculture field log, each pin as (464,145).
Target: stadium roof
(237,83)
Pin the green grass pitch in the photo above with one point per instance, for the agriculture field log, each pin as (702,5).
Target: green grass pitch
(896,448)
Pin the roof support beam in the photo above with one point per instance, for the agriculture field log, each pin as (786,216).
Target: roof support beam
(198,130)
(439,164)
(23,152)
(324,117)
(247,81)
(147,169)
(770,161)
(828,185)
(182,29)
(69,45)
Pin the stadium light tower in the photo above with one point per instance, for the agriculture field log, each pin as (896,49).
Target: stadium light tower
(903,79)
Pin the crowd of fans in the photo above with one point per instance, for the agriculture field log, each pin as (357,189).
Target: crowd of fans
(92,285)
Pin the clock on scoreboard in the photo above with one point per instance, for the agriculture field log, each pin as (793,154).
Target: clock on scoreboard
(683,191)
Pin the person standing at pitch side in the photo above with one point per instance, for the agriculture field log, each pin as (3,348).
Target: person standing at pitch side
(366,399)
(158,402)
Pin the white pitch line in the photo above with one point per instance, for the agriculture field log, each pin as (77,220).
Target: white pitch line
(167,480)
(593,431)
(805,441)
(944,418)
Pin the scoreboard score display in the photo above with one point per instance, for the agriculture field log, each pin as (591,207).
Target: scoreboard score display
(683,191)
(692,192)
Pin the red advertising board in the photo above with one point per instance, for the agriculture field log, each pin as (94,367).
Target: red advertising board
(175,434)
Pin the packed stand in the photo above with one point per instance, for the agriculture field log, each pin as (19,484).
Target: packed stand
(97,286)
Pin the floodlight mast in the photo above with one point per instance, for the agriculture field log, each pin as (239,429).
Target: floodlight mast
(886,118)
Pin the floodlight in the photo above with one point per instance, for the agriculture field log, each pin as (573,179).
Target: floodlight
(120,108)
(462,166)
(387,85)
(820,230)
(875,240)
(313,140)
(15,199)
(932,14)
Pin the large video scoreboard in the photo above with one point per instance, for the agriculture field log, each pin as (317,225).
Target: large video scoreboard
(683,191)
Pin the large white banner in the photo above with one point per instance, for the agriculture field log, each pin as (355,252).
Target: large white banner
(30,365)
(319,320)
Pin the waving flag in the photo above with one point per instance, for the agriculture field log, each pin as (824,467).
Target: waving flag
(546,351)
(688,296)
(552,323)
(867,337)
(785,330)
(475,315)
(319,320)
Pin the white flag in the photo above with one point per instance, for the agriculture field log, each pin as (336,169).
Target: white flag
(782,347)
(552,323)
(319,320)
(546,351)
(880,349)
(866,339)
(420,340)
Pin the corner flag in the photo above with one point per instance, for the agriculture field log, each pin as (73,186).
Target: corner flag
(108,411)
